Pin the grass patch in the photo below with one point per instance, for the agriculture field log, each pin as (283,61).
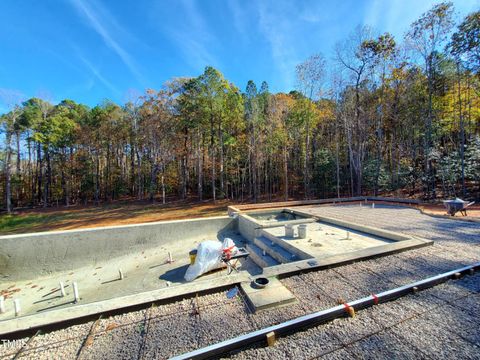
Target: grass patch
(15,222)
(27,222)
(107,215)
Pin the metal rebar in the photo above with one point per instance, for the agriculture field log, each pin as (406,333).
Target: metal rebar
(24,346)
(323,315)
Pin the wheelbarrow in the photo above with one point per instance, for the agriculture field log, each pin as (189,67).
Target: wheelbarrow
(456,205)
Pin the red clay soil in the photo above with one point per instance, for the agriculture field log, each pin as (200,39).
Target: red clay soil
(68,218)
(473,211)
(122,213)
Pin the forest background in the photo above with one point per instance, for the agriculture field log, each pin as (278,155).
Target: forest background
(384,116)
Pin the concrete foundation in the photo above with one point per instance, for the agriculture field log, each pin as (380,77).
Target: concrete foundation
(249,226)
(325,240)
(272,296)
(28,256)
(116,267)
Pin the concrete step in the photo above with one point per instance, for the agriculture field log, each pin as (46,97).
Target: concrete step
(256,254)
(274,249)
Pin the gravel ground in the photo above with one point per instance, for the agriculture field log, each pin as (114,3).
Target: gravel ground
(441,322)
(61,344)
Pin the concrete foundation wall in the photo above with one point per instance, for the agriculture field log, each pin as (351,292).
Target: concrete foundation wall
(250,228)
(28,256)
(247,227)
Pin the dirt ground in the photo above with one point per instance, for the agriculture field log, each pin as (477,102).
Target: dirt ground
(81,217)
(473,211)
(438,209)
(134,212)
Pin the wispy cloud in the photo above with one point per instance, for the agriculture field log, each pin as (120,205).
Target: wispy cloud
(396,16)
(313,12)
(192,35)
(373,13)
(94,70)
(239,15)
(194,51)
(277,30)
(92,14)
(10,98)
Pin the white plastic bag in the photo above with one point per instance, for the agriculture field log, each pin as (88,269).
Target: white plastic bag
(229,248)
(209,254)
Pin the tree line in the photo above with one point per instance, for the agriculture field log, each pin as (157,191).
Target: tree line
(381,116)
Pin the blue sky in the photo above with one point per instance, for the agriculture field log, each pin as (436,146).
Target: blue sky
(89,50)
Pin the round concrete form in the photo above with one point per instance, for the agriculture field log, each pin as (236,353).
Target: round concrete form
(261,282)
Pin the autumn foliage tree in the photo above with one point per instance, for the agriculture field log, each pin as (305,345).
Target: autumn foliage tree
(384,117)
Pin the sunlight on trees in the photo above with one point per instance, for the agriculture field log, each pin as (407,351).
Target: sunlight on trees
(382,117)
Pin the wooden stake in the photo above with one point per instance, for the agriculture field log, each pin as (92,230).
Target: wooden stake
(25,345)
(271,338)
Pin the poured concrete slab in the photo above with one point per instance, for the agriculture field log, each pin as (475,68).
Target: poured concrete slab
(141,252)
(275,294)
(79,310)
(325,240)
(148,270)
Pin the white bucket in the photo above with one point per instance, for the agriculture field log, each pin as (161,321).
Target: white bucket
(289,231)
(302,231)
